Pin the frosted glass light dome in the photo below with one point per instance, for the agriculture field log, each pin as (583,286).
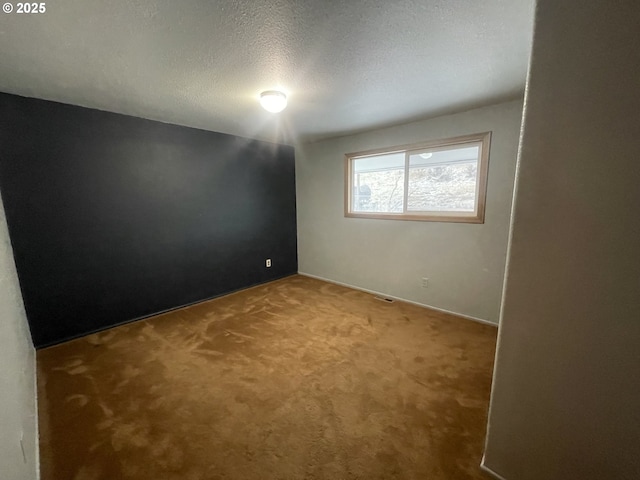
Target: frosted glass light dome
(273,101)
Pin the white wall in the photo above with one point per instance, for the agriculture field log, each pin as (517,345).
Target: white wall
(17,373)
(566,399)
(464,262)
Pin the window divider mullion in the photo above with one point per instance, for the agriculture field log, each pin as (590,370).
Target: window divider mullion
(405,199)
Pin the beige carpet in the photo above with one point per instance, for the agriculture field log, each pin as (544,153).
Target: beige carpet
(295,379)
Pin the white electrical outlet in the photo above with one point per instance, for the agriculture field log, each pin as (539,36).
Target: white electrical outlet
(268,263)
(425,282)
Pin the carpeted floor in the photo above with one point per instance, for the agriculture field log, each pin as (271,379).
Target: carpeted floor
(295,379)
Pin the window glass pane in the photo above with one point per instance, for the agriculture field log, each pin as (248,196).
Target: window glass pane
(443,179)
(378,183)
(436,181)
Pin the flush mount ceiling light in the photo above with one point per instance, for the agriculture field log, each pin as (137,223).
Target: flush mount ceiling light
(273,101)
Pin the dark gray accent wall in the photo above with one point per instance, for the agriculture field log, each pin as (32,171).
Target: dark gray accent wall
(114,218)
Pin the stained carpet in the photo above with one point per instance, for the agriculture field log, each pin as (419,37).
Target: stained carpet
(295,379)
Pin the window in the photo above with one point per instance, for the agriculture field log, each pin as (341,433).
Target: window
(439,181)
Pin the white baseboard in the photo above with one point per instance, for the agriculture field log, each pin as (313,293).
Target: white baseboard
(490,472)
(468,317)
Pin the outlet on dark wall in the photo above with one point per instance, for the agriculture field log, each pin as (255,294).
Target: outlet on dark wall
(114,218)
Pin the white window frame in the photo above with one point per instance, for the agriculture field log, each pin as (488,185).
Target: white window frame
(477,216)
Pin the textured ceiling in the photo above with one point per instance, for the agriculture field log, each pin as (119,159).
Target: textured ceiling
(346,65)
